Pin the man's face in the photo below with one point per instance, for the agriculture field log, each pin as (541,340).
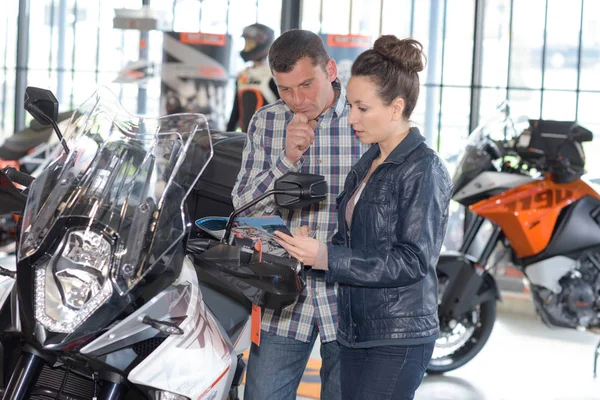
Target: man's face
(307,89)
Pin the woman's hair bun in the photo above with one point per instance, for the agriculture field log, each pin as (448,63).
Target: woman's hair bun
(407,53)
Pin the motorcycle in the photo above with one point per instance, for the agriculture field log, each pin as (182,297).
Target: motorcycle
(521,181)
(111,297)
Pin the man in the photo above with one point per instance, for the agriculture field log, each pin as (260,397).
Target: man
(306,131)
(254,86)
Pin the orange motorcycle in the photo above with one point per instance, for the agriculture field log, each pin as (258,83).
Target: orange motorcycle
(521,183)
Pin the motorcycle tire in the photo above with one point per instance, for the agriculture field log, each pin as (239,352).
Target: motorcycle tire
(473,345)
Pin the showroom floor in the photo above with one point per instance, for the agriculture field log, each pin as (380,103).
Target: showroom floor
(523,359)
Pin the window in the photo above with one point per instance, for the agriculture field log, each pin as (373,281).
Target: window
(73,46)
(8,43)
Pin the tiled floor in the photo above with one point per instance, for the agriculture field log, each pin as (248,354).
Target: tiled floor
(523,360)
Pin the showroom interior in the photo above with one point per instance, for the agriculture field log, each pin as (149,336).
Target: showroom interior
(517,60)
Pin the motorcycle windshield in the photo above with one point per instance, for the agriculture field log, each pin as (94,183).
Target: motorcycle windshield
(107,212)
(472,161)
(482,147)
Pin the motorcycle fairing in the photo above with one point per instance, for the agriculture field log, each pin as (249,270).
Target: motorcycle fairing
(528,213)
(171,305)
(489,182)
(196,364)
(547,273)
(577,231)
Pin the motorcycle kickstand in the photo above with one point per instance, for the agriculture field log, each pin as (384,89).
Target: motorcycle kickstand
(596,355)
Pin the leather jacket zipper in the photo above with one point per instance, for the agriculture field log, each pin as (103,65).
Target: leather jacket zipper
(349,244)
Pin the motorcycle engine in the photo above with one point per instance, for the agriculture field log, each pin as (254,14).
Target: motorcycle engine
(578,304)
(579,300)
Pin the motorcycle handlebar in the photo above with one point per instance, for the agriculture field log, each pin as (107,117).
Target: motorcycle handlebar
(291,263)
(18,177)
(200,245)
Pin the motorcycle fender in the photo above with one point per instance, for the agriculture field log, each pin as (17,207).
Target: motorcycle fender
(467,286)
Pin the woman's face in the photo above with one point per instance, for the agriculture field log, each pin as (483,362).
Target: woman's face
(372,120)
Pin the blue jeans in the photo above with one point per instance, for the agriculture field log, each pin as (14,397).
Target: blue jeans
(386,372)
(275,368)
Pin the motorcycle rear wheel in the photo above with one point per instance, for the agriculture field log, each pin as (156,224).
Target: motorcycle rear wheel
(478,324)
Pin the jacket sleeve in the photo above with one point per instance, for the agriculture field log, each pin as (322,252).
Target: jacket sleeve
(337,239)
(259,170)
(421,221)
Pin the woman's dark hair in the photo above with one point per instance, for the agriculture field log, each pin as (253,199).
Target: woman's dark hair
(294,45)
(393,65)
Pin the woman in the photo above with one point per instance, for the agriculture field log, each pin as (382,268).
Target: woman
(392,216)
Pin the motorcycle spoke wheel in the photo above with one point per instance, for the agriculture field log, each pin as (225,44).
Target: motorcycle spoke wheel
(452,339)
(461,339)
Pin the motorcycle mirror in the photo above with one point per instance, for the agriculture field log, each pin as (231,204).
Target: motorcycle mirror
(292,190)
(41,104)
(296,190)
(7,272)
(43,107)
(12,199)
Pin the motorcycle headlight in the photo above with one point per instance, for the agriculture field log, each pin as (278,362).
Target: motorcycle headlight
(74,282)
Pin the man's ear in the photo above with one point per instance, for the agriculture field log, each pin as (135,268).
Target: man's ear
(397,108)
(331,70)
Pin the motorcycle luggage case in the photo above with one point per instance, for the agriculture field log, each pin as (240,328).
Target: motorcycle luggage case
(212,194)
(550,142)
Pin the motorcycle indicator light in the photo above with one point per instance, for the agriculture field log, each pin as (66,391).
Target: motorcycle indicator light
(162,395)
(74,282)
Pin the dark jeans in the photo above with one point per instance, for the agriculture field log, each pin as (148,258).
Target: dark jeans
(275,368)
(386,372)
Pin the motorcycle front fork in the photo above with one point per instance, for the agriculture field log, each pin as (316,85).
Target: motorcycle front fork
(24,376)
(112,391)
(22,382)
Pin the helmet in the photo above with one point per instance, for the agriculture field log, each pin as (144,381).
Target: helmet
(258,40)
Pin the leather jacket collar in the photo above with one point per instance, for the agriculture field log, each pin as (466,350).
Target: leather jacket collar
(398,155)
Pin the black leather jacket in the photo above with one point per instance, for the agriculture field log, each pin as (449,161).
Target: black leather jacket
(385,266)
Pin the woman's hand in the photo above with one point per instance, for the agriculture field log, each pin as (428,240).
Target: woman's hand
(303,248)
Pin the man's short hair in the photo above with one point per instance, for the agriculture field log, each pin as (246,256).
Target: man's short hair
(294,45)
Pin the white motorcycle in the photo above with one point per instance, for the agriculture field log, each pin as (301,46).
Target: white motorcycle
(110,298)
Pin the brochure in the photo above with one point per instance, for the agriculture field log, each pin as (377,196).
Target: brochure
(253,228)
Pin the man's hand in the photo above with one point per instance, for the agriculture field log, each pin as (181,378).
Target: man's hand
(300,134)
(303,230)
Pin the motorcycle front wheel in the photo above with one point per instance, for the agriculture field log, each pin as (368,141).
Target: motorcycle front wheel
(462,338)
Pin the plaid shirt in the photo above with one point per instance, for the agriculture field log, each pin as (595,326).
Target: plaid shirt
(335,150)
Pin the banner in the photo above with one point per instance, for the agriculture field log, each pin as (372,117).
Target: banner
(344,49)
(195,75)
